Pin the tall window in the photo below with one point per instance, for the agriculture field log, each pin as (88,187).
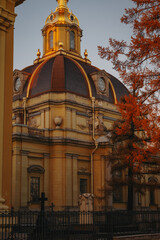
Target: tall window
(83,186)
(34,189)
(152,196)
(51,39)
(153,183)
(72,40)
(117,190)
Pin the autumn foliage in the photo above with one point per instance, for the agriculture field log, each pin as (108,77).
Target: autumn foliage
(138,62)
(136,137)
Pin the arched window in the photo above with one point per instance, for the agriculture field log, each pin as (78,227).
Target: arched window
(36,173)
(152,181)
(51,39)
(72,40)
(117,189)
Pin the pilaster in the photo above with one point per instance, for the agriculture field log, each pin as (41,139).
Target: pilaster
(24,179)
(42,119)
(71,180)
(75,181)
(46,175)
(2,98)
(74,119)
(68,118)
(47,119)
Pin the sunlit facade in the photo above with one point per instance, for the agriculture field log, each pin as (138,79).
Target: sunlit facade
(62,106)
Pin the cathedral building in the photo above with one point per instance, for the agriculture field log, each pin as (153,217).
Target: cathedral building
(62,106)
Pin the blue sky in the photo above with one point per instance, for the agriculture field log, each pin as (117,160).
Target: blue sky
(99,21)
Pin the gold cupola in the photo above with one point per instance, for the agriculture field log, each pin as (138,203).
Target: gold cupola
(61,27)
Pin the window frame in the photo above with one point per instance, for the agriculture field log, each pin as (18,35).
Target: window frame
(35,171)
(50,36)
(80,185)
(117,174)
(72,40)
(36,200)
(152,198)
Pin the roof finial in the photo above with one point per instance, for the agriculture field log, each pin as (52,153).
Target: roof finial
(38,54)
(86,54)
(62,3)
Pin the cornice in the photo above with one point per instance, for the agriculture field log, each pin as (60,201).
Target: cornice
(51,141)
(7,19)
(18,2)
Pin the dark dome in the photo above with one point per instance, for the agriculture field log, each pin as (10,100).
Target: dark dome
(64,74)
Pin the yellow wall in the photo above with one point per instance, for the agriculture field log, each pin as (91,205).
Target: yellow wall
(69,149)
(6,76)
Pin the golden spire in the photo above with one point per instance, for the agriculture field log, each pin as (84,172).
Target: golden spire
(62,3)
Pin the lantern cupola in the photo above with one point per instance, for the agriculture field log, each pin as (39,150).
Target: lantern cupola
(61,27)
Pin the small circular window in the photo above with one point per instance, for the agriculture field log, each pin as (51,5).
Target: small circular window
(17,84)
(101,84)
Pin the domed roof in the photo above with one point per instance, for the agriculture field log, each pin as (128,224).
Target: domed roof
(62,68)
(62,73)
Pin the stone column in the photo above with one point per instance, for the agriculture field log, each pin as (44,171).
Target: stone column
(7,18)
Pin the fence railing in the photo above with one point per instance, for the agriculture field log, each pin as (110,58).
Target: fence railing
(50,225)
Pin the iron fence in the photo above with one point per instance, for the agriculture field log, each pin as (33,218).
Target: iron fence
(75,225)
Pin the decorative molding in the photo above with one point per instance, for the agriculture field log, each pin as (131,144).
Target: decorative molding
(71,155)
(35,169)
(7,19)
(109,118)
(36,157)
(100,128)
(58,121)
(81,126)
(83,171)
(17,74)
(33,122)
(18,2)
(96,76)
(46,155)
(24,153)
(34,114)
(82,114)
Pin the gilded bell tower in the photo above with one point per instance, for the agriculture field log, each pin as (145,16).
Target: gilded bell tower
(61,30)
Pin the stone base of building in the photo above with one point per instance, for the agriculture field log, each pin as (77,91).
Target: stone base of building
(139,237)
